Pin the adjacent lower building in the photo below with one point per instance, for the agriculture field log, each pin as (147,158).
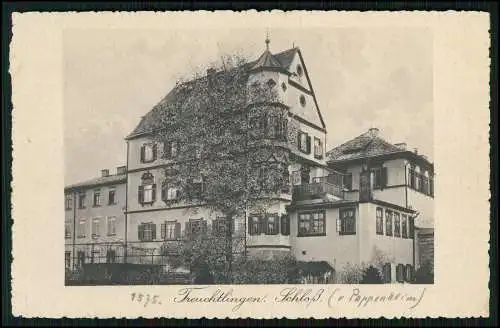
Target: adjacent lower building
(95,227)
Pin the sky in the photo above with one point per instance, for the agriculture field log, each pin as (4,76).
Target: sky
(362,78)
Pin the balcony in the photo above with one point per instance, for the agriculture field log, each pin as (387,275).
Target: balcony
(319,188)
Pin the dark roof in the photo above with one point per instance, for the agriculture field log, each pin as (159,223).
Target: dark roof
(112,179)
(267,60)
(368,144)
(149,122)
(314,268)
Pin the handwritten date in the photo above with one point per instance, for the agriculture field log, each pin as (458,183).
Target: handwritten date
(145,299)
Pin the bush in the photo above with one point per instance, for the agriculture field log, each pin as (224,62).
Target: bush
(424,274)
(371,275)
(351,274)
(252,270)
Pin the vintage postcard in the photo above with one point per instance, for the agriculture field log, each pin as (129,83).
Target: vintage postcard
(250,164)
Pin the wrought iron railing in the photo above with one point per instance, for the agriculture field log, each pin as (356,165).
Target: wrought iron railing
(319,187)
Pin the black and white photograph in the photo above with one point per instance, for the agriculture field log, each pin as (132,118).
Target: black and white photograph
(248,156)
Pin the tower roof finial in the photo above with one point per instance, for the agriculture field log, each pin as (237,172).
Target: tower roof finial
(267,40)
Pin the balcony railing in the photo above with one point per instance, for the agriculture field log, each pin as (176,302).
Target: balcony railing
(317,189)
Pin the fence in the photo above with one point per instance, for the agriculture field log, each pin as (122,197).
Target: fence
(164,256)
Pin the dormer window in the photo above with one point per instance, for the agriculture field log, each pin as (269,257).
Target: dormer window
(302,100)
(299,70)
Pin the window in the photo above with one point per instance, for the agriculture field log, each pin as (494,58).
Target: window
(195,188)
(170,230)
(80,256)
(387,273)
(397,227)
(111,197)
(196,226)
(302,101)
(285,225)
(148,153)
(299,70)
(111,226)
(67,259)
(304,142)
(67,202)
(296,178)
(110,256)
(67,230)
(171,149)
(380,221)
(81,200)
(81,233)
(219,226)
(272,225)
(411,227)
(97,198)
(409,273)
(318,148)
(169,192)
(283,86)
(379,177)
(147,231)
(388,223)
(400,275)
(312,224)
(147,191)
(404,226)
(254,225)
(96,228)
(346,224)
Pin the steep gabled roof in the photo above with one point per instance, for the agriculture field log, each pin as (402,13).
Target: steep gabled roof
(100,181)
(366,145)
(280,61)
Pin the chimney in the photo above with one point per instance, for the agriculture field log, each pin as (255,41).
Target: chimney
(373,132)
(121,170)
(401,145)
(105,173)
(210,71)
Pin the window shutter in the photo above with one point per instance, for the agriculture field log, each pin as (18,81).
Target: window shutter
(384,177)
(308,150)
(163,191)
(167,149)
(250,225)
(348,181)
(163,231)
(140,195)
(204,225)
(177,230)
(299,141)
(187,228)
(140,232)
(153,193)
(155,151)
(153,231)
(143,152)
(177,193)
(339,225)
